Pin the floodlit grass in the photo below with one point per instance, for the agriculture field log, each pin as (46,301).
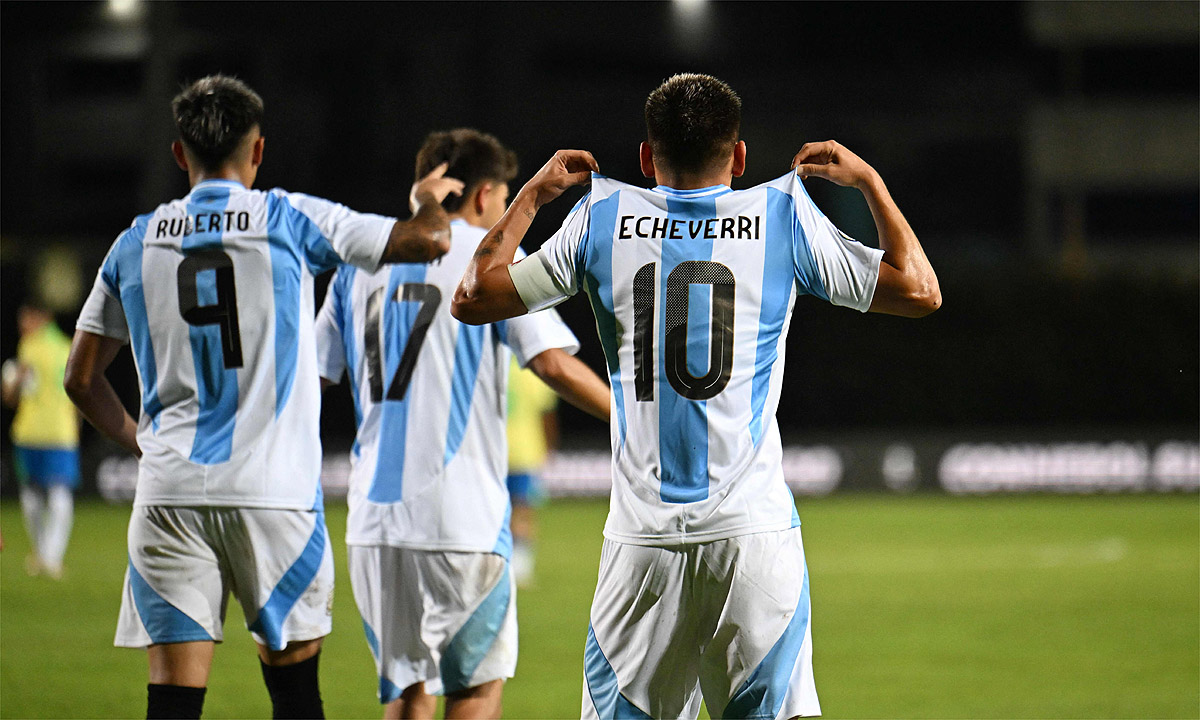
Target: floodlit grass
(924,606)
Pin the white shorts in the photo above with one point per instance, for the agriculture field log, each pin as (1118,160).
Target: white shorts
(448,619)
(185,561)
(727,619)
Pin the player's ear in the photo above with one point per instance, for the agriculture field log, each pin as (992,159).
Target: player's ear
(646,158)
(480,195)
(256,152)
(180,158)
(739,158)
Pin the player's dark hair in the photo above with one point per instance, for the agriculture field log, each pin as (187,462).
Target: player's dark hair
(692,122)
(213,115)
(474,157)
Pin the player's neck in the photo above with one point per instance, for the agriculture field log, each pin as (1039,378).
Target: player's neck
(472,219)
(692,182)
(232,172)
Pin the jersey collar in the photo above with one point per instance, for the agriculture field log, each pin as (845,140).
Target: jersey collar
(216,184)
(698,192)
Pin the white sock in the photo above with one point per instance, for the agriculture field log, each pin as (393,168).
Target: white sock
(57,528)
(32,506)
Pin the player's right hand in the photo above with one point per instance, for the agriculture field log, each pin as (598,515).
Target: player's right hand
(566,169)
(832,161)
(434,187)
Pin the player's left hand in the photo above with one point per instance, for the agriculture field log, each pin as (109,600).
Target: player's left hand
(566,169)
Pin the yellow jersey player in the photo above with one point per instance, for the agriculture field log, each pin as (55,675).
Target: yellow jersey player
(45,435)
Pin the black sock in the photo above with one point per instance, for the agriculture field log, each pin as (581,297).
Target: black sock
(295,693)
(173,701)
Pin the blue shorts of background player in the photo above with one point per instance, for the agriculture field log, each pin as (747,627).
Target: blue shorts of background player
(46,467)
(526,489)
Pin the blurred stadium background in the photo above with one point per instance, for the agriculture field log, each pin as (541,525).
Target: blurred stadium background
(1047,154)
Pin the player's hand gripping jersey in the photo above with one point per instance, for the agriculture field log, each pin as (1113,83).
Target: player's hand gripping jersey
(430,457)
(215,293)
(693,293)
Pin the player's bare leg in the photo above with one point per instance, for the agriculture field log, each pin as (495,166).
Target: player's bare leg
(178,678)
(185,664)
(291,678)
(481,701)
(413,704)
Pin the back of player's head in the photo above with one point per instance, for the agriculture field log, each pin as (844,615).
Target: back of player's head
(474,157)
(692,122)
(213,115)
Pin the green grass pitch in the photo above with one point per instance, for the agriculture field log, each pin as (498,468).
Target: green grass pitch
(923,606)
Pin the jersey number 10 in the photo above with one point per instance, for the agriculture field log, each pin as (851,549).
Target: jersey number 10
(720,341)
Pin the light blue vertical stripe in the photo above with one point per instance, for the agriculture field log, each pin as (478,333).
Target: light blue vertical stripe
(387,486)
(164,622)
(468,353)
(269,623)
(597,281)
(286,241)
(761,696)
(683,423)
(778,276)
(602,684)
(123,271)
(808,275)
(216,385)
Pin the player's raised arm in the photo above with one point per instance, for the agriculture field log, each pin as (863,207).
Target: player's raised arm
(907,284)
(486,293)
(426,235)
(89,389)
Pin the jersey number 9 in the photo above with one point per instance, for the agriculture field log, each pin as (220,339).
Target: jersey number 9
(224,312)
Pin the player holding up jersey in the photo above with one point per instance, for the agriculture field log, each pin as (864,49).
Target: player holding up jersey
(429,507)
(214,293)
(703,587)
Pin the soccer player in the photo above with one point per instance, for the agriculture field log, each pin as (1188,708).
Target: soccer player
(215,293)
(45,435)
(703,587)
(428,530)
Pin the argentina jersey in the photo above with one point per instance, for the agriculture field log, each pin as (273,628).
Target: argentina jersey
(214,292)
(693,292)
(429,460)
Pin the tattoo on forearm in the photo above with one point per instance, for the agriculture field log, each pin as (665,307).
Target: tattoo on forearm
(529,213)
(489,245)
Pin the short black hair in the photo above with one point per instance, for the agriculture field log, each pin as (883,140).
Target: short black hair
(692,122)
(213,115)
(473,156)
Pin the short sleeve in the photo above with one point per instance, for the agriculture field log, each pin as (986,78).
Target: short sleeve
(102,312)
(330,233)
(829,263)
(331,352)
(531,335)
(550,275)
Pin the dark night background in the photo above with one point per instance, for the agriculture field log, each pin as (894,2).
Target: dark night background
(1046,155)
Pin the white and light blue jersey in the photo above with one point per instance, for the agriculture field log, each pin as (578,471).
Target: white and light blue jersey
(430,457)
(693,292)
(215,294)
